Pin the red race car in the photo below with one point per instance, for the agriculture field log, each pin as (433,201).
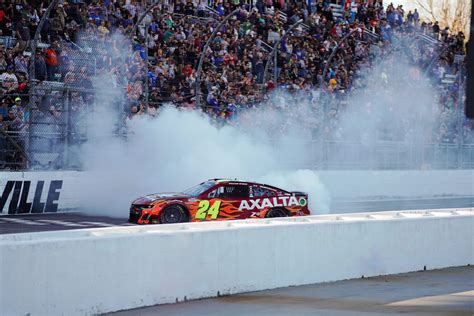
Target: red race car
(218,199)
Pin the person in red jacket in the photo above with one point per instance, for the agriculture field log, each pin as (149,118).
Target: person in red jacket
(51,59)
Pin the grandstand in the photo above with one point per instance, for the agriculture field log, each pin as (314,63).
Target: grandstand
(51,57)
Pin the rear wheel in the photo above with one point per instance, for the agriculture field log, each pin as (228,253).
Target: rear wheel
(174,214)
(277,212)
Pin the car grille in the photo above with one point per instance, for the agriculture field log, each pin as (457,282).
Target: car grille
(135,213)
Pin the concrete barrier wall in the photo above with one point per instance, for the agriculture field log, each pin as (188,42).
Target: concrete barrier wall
(93,271)
(340,184)
(38,192)
(398,183)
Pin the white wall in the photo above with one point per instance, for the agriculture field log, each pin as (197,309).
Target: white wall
(101,270)
(68,196)
(364,184)
(398,183)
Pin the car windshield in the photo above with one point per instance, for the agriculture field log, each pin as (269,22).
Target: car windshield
(198,189)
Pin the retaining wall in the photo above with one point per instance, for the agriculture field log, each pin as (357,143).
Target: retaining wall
(93,271)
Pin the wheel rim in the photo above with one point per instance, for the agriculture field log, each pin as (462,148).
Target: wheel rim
(173,215)
(276,213)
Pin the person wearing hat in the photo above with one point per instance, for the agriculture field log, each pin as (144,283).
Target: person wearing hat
(332,84)
(18,109)
(9,79)
(17,102)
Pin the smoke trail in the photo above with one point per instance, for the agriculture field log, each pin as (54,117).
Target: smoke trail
(180,148)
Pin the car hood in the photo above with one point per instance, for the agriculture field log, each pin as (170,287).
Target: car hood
(160,196)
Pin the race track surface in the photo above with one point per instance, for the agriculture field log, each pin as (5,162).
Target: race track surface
(438,292)
(24,223)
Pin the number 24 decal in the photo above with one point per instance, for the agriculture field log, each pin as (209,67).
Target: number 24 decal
(204,209)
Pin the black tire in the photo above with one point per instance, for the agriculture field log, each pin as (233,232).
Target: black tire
(174,214)
(277,212)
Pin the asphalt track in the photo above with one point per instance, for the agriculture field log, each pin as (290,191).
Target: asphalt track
(24,223)
(438,292)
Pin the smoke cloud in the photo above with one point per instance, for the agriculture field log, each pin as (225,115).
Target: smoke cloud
(179,149)
(276,143)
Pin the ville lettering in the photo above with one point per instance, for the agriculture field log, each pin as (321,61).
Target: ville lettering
(18,190)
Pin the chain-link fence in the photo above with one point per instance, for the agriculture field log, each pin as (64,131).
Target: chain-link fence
(50,143)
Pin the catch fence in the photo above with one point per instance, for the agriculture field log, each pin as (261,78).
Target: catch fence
(52,138)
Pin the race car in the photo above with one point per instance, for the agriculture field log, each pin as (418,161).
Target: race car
(218,199)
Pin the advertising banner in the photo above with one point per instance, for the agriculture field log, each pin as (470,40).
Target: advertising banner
(37,192)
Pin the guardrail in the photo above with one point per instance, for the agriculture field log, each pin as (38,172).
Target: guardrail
(96,271)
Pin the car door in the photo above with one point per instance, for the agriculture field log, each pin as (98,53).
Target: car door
(264,196)
(222,202)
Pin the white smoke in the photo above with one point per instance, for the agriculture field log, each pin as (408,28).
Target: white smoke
(179,149)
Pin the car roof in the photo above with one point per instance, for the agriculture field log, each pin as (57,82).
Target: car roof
(238,182)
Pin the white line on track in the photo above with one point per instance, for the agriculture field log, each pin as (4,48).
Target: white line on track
(62,223)
(21,221)
(98,224)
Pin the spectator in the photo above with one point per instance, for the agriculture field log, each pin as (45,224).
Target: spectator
(22,32)
(9,79)
(51,61)
(40,67)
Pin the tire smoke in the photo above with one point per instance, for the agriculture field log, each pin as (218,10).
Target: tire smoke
(178,149)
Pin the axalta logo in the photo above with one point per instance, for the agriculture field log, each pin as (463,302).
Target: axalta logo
(270,202)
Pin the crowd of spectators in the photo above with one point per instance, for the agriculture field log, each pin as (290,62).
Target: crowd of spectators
(83,40)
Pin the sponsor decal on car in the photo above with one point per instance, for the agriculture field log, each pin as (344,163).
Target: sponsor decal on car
(279,201)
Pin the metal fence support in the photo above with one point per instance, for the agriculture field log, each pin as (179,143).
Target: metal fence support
(34,43)
(331,56)
(459,118)
(144,14)
(147,79)
(437,57)
(203,54)
(274,53)
(67,127)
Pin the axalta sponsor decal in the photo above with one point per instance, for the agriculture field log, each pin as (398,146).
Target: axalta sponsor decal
(269,202)
(19,191)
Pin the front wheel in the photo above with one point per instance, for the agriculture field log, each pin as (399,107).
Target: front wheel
(276,212)
(174,214)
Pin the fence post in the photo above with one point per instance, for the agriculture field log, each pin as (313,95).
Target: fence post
(67,127)
(144,14)
(147,80)
(34,42)
(274,52)
(203,54)
(459,118)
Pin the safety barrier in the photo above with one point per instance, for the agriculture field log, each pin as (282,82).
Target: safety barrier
(95,271)
(38,192)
